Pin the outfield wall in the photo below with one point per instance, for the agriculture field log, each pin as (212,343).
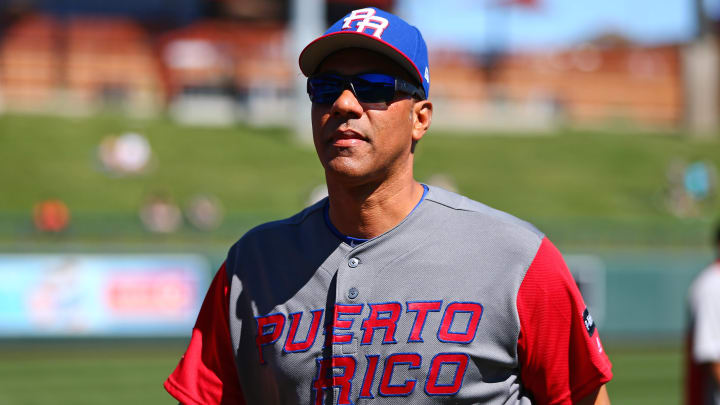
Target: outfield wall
(631,293)
(82,295)
(640,293)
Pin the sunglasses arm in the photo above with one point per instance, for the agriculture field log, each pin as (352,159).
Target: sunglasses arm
(408,88)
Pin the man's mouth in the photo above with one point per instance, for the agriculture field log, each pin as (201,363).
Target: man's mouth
(346,138)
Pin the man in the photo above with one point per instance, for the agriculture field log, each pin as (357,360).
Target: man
(703,376)
(388,290)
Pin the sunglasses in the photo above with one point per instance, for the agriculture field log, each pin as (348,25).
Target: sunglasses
(325,88)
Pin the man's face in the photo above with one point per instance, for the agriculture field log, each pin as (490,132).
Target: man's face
(363,142)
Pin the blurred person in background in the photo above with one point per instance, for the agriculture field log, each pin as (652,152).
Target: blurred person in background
(51,215)
(129,153)
(388,288)
(204,212)
(160,214)
(703,357)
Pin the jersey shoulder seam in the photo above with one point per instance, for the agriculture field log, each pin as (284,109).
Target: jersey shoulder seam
(294,220)
(290,222)
(459,202)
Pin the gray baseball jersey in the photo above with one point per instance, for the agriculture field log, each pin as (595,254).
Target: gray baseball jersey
(459,303)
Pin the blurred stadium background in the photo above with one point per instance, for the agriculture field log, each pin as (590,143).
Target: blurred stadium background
(139,139)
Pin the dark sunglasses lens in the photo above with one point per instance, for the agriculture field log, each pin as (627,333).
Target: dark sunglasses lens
(374,88)
(324,89)
(368,88)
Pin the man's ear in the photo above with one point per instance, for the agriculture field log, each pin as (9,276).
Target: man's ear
(422,117)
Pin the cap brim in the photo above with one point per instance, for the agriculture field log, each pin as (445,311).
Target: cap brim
(321,48)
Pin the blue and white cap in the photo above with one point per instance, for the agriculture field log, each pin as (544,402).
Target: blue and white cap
(376,30)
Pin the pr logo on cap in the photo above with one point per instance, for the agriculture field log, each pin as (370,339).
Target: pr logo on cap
(367,20)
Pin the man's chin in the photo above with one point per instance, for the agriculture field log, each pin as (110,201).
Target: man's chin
(346,168)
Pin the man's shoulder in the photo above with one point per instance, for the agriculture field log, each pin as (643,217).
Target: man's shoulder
(286,226)
(481,214)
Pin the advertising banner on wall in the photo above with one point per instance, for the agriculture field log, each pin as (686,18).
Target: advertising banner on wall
(100,295)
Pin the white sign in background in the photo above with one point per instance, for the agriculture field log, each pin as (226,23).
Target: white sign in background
(100,295)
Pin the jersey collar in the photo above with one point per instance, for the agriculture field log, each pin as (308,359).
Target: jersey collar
(349,240)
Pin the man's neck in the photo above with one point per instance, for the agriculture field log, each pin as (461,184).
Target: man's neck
(368,210)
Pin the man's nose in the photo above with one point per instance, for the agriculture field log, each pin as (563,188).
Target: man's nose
(347,104)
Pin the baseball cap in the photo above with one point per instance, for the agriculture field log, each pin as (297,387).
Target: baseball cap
(376,30)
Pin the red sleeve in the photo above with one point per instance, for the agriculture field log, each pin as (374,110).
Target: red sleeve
(561,359)
(206,373)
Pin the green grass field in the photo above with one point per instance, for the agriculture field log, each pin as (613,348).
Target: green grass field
(87,372)
(578,186)
(92,372)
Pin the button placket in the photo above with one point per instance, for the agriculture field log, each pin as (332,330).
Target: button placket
(344,281)
(353,292)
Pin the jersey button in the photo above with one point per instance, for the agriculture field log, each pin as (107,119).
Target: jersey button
(353,293)
(353,262)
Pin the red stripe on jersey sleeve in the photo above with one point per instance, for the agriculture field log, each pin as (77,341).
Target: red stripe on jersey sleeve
(206,373)
(561,362)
